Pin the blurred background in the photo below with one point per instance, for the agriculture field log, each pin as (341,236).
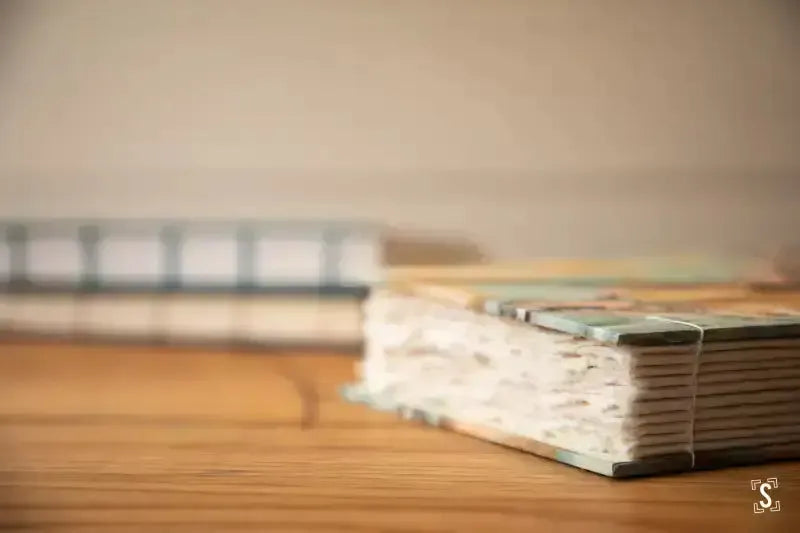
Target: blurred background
(472,129)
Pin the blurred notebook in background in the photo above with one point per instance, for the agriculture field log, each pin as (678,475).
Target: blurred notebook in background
(259,282)
(625,368)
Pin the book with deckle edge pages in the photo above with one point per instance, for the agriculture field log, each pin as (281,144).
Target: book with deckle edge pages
(624,377)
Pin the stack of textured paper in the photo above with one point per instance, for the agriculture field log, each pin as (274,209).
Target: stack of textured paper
(634,371)
(222,281)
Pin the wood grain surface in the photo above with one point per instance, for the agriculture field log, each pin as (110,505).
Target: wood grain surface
(103,438)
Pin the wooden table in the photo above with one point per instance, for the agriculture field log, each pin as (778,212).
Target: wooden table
(166,439)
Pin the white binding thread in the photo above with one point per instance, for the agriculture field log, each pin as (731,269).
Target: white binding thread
(695,372)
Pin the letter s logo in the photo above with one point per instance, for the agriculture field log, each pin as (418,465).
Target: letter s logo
(767,502)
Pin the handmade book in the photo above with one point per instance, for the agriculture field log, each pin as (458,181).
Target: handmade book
(230,281)
(621,371)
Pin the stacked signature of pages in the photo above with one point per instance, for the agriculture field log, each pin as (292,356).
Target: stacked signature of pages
(622,368)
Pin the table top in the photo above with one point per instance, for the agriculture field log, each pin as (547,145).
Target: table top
(96,437)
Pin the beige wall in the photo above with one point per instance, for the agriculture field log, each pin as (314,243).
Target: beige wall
(541,127)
